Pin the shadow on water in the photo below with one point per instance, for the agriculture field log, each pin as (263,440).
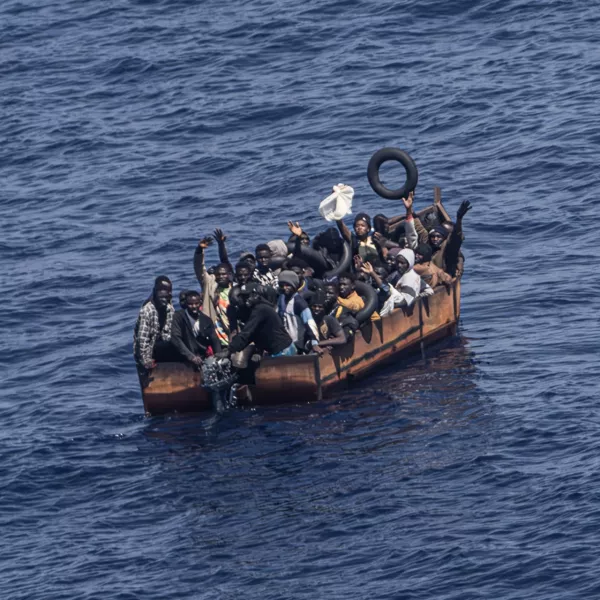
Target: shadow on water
(426,406)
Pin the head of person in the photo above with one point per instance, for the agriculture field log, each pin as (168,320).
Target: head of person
(422,254)
(381,272)
(223,275)
(249,258)
(279,249)
(193,303)
(263,257)
(362,225)
(299,267)
(405,261)
(183,298)
(332,291)
(243,272)
(346,284)
(329,240)
(162,291)
(381,225)
(304,239)
(249,294)
(288,283)
(390,259)
(318,304)
(437,235)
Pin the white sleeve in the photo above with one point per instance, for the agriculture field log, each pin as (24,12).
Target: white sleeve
(412,239)
(426,289)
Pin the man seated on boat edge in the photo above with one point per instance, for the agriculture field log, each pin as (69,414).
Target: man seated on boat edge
(264,328)
(152,332)
(295,312)
(193,334)
(330,331)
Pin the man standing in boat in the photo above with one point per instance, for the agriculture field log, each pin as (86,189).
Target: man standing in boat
(193,335)
(153,327)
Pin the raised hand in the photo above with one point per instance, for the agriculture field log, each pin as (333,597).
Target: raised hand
(205,242)
(464,207)
(295,228)
(367,268)
(220,236)
(408,202)
(358,261)
(379,238)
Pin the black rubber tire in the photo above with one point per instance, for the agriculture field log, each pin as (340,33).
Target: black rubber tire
(369,295)
(412,173)
(343,265)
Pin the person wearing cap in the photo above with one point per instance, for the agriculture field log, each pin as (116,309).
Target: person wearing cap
(152,331)
(295,312)
(264,328)
(429,272)
(193,335)
(308,284)
(361,241)
(329,328)
(263,273)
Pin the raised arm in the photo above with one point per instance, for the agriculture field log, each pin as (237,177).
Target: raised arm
(344,231)
(412,239)
(221,239)
(452,251)
(199,267)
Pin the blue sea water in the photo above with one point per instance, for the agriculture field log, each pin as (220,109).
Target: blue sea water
(130,128)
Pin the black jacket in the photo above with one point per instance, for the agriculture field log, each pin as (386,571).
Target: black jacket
(265,329)
(184,340)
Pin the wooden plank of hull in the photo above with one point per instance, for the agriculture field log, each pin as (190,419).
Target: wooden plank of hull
(177,387)
(286,379)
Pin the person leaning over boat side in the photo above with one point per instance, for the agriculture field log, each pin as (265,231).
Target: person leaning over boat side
(264,327)
(295,312)
(215,286)
(263,274)
(330,331)
(446,247)
(153,327)
(193,333)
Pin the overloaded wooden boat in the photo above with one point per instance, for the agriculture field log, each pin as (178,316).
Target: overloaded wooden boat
(177,387)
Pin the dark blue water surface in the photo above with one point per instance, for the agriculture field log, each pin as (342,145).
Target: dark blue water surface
(129,129)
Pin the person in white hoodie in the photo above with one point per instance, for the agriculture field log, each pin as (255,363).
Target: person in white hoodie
(410,285)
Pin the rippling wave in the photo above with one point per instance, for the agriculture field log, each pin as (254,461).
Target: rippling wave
(132,129)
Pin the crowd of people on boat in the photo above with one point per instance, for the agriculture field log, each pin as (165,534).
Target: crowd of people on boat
(303,295)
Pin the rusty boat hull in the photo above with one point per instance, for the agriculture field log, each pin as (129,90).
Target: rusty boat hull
(177,387)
